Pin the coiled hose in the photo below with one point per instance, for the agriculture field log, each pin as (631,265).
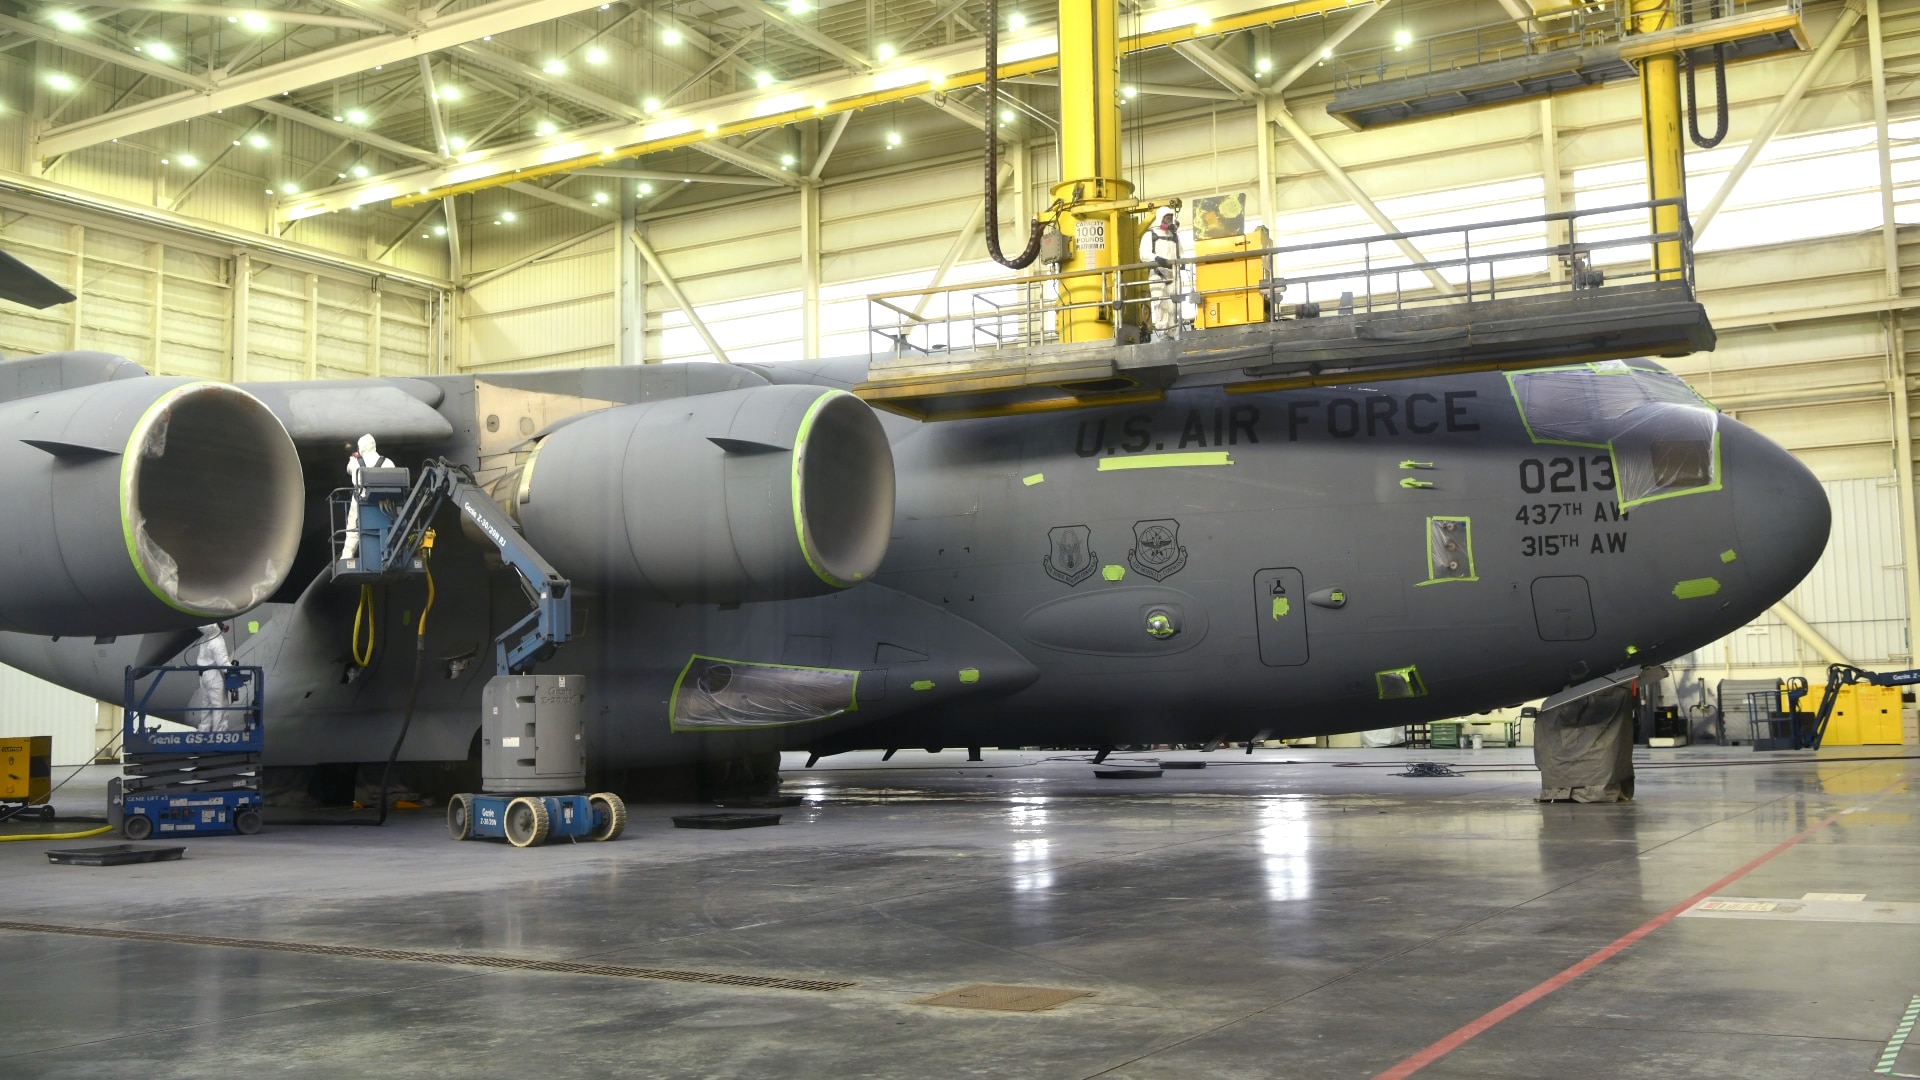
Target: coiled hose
(1720,92)
(1025,258)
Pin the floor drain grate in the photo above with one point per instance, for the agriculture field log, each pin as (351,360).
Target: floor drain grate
(1005,998)
(415,956)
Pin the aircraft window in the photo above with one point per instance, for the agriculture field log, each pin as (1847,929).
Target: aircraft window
(1663,436)
(1397,683)
(1666,450)
(1682,464)
(732,695)
(1449,550)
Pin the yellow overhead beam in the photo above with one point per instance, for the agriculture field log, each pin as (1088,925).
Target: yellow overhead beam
(1201,26)
(1714,32)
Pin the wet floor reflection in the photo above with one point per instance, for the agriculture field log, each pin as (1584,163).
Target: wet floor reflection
(1285,845)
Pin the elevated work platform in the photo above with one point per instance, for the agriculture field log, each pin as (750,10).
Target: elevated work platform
(1510,61)
(1368,314)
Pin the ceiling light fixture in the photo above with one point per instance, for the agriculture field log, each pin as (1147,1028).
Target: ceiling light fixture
(60,80)
(651,104)
(67,20)
(360,172)
(600,197)
(357,116)
(255,22)
(670,36)
(1016,22)
(189,160)
(257,141)
(884,51)
(546,128)
(159,50)
(596,55)
(554,67)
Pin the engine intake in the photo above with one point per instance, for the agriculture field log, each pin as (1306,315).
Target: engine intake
(142,505)
(764,493)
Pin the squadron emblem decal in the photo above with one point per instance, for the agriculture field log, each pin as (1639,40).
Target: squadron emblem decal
(1072,558)
(1156,550)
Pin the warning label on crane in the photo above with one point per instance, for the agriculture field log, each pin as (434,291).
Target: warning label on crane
(1090,235)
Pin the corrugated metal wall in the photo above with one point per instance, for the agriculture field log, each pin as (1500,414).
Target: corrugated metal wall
(557,312)
(30,706)
(166,302)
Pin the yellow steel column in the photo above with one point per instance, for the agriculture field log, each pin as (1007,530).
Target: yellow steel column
(1099,214)
(1660,123)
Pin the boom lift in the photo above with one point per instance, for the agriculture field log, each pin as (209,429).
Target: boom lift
(532,727)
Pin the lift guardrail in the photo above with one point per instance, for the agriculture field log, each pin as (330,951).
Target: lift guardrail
(1595,248)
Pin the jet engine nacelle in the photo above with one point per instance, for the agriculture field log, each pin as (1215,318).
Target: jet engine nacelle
(141,505)
(764,493)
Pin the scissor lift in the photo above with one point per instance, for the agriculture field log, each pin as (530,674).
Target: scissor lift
(186,783)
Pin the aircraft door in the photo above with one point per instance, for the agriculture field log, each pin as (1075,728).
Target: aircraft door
(1562,608)
(1280,609)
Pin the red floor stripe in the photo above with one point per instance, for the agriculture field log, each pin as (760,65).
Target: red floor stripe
(1460,1036)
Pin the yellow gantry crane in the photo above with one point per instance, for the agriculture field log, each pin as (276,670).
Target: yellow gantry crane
(1094,222)
(1660,123)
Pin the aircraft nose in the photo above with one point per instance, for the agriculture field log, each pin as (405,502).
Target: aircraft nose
(1780,513)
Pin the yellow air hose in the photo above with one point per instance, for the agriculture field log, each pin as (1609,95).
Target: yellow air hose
(59,836)
(365,613)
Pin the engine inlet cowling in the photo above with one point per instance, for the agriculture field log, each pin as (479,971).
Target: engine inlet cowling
(142,505)
(764,493)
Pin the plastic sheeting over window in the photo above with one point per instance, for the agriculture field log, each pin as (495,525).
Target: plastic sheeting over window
(1663,440)
(1449,550)
(1396,684)
(731,695)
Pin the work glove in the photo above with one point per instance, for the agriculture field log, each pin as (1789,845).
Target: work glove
(1161,262)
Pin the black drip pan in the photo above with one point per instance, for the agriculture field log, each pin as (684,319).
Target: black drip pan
(115,854)
(1183,764)
(724,821)
(1126,774)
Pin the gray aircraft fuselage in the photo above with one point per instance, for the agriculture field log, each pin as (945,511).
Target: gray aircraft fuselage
(1213,565)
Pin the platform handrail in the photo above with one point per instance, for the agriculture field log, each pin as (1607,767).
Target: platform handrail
(894,322)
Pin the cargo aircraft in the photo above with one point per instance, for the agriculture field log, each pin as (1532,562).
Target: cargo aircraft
(762,562)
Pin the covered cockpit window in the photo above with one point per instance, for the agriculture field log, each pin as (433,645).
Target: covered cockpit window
(733,695)
(1663,437)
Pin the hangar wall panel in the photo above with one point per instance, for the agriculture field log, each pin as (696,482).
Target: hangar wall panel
(32,706)
(557,312)
(165,299)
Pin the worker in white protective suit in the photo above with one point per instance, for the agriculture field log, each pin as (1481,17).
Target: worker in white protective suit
(213,707)
(368,456)
(1161,247)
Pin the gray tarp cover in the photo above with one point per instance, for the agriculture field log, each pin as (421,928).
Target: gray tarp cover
(1585,748)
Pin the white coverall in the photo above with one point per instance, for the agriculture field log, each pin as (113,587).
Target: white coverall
(1162,241)
(208,709)
(367,457)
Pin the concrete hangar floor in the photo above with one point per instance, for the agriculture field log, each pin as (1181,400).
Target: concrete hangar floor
(1292,913)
